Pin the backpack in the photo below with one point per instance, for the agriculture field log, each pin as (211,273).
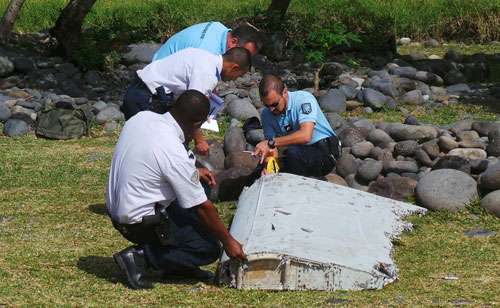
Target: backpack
(63,122)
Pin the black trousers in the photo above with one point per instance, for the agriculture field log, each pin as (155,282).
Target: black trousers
(138,98)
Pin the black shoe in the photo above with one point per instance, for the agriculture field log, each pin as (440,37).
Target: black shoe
(133,262)
(190,272)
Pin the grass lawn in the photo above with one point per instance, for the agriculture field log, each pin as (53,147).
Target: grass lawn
(57,244)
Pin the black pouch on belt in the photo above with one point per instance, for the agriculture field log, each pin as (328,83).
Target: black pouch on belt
(161,102)
(161,224)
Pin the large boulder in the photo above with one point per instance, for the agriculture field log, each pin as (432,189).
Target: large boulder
(215,159)
(490,179)
(110,113)
(347,164)
(241,109)
(397,188)
(402,132)
(230,183)
(446,189)
(333,101)
(6,67)
(234,140)
(491,202)
(372,98)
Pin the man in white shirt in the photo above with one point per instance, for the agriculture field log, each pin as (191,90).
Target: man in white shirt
(160,82)
(155,199)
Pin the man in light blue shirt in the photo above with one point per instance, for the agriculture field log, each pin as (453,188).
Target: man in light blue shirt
(295,120)
(211,36)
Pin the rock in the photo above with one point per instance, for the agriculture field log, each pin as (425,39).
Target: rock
(490,179)
(417,55)
(458,88)
(468,135)
(474,143)
(230,183)
(333,101)
(15,128)
(349,92)
(484,127)
(431,43)
(273,45)
(491,202)
(422,158)
(351,136)
(385,86)
(478,233)
(23,64)
(377,136)
(402,167)
(240,159)
(413,98)
(70,88)
(468,153)
(215,159)
(406,71)
(139,53)
(347,164)
(476,72)
(400,132)
(4,112)
(453,162)
(99,106)
(109,114)
(411,120)
(67,68)
(372,98)
(397,188)
(369,170)
(351,105)
(446,189)
(381,73)
(405,148)
(353,183)
(453,55)
(362,149)
(454,77)
(92,78)
(493,148)
(404,41)
(407,84)
(390,103)
(241,109)
(447,144)
(439,90)
(364,123)
(335,120)
(431,148)
(6,67)
(234,140)
(110,128)
(17,93)
(336,179)
(332,69)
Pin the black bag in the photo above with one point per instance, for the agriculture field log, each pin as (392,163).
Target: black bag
(63,122)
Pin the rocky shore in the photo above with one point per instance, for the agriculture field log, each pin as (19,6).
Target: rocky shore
(441,167)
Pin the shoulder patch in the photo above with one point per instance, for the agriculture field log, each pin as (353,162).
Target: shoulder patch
(195,177)
(306,108)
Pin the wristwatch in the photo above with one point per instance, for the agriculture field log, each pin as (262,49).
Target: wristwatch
(270,143)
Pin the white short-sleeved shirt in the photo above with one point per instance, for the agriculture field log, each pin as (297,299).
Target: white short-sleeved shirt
(189,68)
(150,164)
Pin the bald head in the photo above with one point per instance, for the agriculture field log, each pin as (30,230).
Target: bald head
(190,110)
(271,83)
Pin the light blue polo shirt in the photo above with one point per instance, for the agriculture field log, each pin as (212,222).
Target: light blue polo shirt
(211,36)
(302,107)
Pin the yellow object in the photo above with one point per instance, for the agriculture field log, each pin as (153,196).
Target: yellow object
(272,165)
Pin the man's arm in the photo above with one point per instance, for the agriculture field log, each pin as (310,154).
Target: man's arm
(303,135)
(208,216)
(201,145)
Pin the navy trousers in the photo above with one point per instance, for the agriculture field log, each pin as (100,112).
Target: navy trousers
(307,160)
(137,98)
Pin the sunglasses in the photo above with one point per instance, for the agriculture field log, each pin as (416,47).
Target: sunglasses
(275,104)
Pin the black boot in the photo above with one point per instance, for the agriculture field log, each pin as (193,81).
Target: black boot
(133,262)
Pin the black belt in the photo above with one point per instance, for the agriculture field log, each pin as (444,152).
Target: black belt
(330,145)
(139,83)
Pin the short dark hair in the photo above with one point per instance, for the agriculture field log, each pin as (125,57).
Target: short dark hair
(190,107)
(271,83)
(240,56)
(246,34)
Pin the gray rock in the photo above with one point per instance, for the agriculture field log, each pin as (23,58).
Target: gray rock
(484,127)
(364,123)
(362,149)
(377,136)
(333,101)
(474,143)
(351,136)
(15,128)
(493,148)
(406,71)
(405,148)
(99,106)
(404,41)
(67,68)
(422,158)
(347,164)
(273,45)
(109,114)
(215,159)
(464,125)
(335,120)
(230,183)
(431,43)
(458,88)
(92,78)
(413,98)
(402,167)
(110,127)
(454,77)
(400,132)
(369,170)
(490,179)
(491,202)
(4,112)
(453,162)
(241,109)
(447,144)
(417,55)
(45,63)
(70,88)
(431,148)
(411,120)
(446,189)
(396,188)
(453,55)
(349,92)
(139,53)
(407,84)
(336,179)
(23,64)
(367,110)
(372,98)
(352,182)
(381,73)
(255,136)
(476,72)
(468,153)
(332,69)
(240,159)
(234,140)
(6,67)
(385,86)
(390,103)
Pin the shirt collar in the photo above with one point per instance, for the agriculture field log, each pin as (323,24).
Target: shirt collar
(170,119)
(224,42)
(289,106)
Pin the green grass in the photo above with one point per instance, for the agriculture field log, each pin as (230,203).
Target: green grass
(57,244)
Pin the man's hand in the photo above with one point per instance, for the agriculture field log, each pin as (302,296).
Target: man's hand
(234,251)
(206,176)
(261,150)
(202,147)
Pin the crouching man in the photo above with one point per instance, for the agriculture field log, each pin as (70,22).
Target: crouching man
(295,120)
(155,199)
